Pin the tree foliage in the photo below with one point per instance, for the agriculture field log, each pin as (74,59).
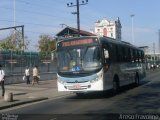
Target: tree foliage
(47,44)
(14,41)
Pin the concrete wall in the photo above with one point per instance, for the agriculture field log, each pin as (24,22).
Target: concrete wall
(12,79)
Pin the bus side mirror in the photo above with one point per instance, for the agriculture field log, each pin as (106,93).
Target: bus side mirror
(106,54)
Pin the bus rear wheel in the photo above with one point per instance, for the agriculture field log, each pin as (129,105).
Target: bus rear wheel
(137,80)
(115,86)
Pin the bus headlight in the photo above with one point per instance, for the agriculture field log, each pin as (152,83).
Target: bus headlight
(99,76)
(60,81)
(92,81)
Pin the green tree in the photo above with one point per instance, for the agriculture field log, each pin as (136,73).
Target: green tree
(14,41)
(46,45)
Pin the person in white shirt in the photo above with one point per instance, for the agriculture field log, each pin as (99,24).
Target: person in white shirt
(35,75)
(27,75)
(2,77)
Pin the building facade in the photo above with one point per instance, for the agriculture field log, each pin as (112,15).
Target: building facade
(108,28)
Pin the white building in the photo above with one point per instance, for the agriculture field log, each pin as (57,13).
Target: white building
(108,28)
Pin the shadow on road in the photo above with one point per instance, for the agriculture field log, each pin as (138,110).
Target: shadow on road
(108,93)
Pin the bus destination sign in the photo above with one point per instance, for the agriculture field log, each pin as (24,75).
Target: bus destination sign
(76,42)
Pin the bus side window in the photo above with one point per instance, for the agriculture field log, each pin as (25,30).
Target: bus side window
(129,56)
(106,56)
(142,57)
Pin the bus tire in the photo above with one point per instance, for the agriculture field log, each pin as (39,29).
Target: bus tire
(115,85)
(136,79)
(80,94)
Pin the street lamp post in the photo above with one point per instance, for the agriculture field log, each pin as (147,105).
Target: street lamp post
(132,29)
(14,12)
(159,41)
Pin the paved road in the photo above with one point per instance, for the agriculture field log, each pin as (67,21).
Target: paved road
(131,99)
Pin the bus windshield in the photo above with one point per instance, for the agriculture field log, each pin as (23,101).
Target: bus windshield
(79,59)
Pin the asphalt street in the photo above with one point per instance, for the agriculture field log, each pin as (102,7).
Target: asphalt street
(131,99)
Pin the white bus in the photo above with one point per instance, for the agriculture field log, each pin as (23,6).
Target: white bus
(88,64)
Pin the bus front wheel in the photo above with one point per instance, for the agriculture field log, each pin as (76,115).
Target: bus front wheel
(80,94)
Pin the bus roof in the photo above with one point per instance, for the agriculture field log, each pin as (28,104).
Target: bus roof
(103,38)
(123,43)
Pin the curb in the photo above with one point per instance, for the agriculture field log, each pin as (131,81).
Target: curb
(22,102)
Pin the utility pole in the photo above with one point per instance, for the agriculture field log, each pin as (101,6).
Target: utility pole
(77,12)
(159,41)
(154,53)
(132,29)
(14,12)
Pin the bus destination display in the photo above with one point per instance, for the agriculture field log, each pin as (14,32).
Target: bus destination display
(76,42)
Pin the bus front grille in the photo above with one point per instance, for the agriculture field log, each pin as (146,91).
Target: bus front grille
(77,88)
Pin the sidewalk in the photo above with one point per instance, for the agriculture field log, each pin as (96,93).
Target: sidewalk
(23,93)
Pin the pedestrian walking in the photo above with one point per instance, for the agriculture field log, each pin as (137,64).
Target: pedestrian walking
(2,77)
(27,75)
(35,75)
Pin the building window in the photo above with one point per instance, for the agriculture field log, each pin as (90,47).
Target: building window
(111,34)
(105,31)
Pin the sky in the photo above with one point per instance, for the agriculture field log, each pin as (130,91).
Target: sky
(46,16)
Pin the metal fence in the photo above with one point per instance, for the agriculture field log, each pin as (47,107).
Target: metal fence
(15,62)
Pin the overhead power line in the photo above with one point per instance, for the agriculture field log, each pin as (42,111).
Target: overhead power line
(40,5)
(37,24)
(43,25)
(34,12)
(34,32)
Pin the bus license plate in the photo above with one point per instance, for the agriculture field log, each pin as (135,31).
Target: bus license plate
(76,86)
